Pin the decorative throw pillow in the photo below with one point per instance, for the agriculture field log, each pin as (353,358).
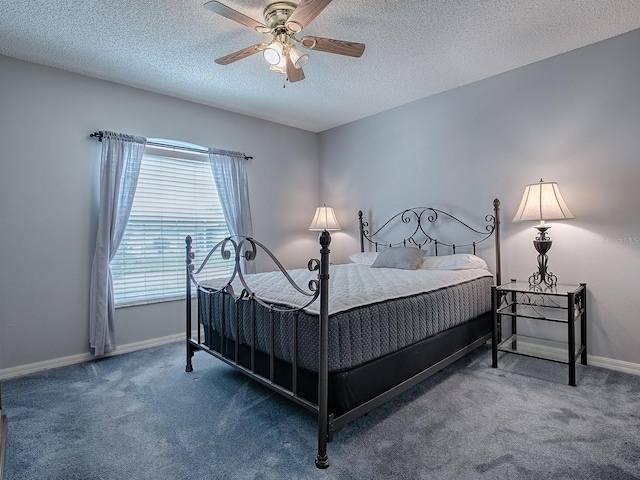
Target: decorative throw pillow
(405,258)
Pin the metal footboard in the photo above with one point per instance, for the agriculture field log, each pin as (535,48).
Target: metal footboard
(227,303)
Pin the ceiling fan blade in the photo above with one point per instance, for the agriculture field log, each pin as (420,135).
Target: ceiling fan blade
(236,16)
(240,54)
(293,74)
(305,12)
(329,45)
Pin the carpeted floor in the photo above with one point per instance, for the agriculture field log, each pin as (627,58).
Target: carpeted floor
(140,416)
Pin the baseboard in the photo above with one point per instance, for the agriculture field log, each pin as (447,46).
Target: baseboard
(19,371)
(611,364)
(30,368)
(604,362)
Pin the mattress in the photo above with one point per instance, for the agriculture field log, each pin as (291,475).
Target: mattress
(373,312)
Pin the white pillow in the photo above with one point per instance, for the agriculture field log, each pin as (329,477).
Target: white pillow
(458,261)
(431,262)
(364,258)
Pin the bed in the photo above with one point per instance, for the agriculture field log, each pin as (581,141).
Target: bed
(340,340)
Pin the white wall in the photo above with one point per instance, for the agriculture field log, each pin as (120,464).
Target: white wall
(49,177)
(573,119)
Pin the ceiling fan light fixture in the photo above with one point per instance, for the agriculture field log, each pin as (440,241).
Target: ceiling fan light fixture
(278,69)
(298,57)
(281,66)
(273,54)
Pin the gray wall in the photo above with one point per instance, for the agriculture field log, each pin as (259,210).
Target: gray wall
(573,119)
(49,177)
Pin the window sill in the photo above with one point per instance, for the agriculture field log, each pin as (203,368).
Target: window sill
(138,303)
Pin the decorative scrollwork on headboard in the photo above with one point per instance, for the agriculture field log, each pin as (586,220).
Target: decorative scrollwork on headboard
(420,234)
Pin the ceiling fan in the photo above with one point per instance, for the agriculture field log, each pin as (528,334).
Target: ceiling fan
(283,21)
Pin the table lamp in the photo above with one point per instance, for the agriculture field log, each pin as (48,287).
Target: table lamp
(324,219)
(542,201)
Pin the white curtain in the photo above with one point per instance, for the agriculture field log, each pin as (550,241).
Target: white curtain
(230,175)
(119,169)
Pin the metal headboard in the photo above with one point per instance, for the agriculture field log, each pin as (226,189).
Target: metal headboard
(420,218)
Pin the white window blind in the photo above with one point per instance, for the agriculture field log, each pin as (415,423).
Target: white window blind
(175,197)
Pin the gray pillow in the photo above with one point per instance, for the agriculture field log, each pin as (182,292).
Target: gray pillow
(406,258)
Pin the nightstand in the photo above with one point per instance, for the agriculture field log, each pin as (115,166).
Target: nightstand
(564,304)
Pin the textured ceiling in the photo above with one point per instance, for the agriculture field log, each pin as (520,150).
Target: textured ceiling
(414,48)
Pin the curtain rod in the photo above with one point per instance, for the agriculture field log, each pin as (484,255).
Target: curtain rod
(99,135)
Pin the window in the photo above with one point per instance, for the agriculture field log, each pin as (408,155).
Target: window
(176,196)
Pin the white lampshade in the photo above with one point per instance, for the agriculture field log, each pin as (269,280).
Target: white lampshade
(298,58)
(273,54)
(542,201)
(324,219)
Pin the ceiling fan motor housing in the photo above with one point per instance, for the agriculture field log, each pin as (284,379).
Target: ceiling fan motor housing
(276,14)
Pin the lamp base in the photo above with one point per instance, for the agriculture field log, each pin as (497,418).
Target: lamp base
(542,244)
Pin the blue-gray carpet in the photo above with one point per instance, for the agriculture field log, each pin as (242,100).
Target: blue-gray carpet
(140,416)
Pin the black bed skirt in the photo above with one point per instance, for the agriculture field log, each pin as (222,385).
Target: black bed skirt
(351,388)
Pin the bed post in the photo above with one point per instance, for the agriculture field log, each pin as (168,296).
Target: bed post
(496,215)
(322,460)
(361,230)
(190,256)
